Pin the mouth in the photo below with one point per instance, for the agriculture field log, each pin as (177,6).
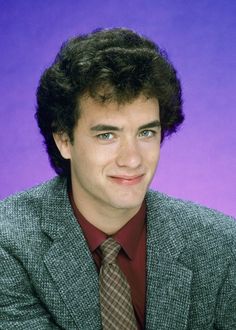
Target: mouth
(127,180)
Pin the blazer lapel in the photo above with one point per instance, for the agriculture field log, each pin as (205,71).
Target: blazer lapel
(69,261)
(168,281)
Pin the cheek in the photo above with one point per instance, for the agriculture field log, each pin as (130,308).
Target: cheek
(151,152)
(102,154)
(157,154)
(93,160)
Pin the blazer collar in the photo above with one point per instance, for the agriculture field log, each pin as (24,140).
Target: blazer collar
(168,281)
(68,260)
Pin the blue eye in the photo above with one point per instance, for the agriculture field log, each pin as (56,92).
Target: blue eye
(105,136)
(147,133)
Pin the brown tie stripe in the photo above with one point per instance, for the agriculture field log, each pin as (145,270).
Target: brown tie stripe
(115,299)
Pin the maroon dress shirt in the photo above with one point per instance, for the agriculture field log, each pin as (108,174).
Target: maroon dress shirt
(131,258)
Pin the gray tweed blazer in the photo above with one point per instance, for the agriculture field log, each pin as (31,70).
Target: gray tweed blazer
(48,279)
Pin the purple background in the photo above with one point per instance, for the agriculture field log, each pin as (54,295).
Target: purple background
(198,163)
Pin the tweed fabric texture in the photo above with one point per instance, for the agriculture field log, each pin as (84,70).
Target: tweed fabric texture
(115,297)
(48,279)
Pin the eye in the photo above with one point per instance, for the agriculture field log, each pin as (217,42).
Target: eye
(105,136)
(147,133)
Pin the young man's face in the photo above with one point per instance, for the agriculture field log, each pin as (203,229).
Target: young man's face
(114,153)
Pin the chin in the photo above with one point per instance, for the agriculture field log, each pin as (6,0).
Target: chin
(126,203)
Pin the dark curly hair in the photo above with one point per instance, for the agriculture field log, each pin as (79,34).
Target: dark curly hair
(108,65)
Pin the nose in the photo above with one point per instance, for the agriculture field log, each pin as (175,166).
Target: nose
(129,155)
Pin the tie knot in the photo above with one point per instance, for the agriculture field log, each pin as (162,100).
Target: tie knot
(110,249)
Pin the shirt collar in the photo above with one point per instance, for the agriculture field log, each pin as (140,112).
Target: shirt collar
(128,236)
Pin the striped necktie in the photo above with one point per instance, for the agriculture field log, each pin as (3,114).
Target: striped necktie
(115,299)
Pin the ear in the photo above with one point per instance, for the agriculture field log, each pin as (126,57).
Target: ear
(62,141)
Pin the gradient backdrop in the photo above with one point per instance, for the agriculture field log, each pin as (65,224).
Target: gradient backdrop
(198,163)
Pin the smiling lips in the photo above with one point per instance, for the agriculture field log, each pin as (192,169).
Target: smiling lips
(127,180)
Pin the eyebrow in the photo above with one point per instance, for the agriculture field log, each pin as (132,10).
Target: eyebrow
(103,127)
(152,124)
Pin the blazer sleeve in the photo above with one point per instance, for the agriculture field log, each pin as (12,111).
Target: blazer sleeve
(226,303)
(20,308)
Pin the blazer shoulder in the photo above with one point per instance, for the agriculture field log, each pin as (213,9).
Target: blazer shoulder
(190,218)
(21,212)
(34,193)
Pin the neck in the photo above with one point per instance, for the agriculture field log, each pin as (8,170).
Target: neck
(108,220)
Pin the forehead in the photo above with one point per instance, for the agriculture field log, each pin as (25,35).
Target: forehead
(137,110)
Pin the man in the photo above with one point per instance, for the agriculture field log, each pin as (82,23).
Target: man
(103,108)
